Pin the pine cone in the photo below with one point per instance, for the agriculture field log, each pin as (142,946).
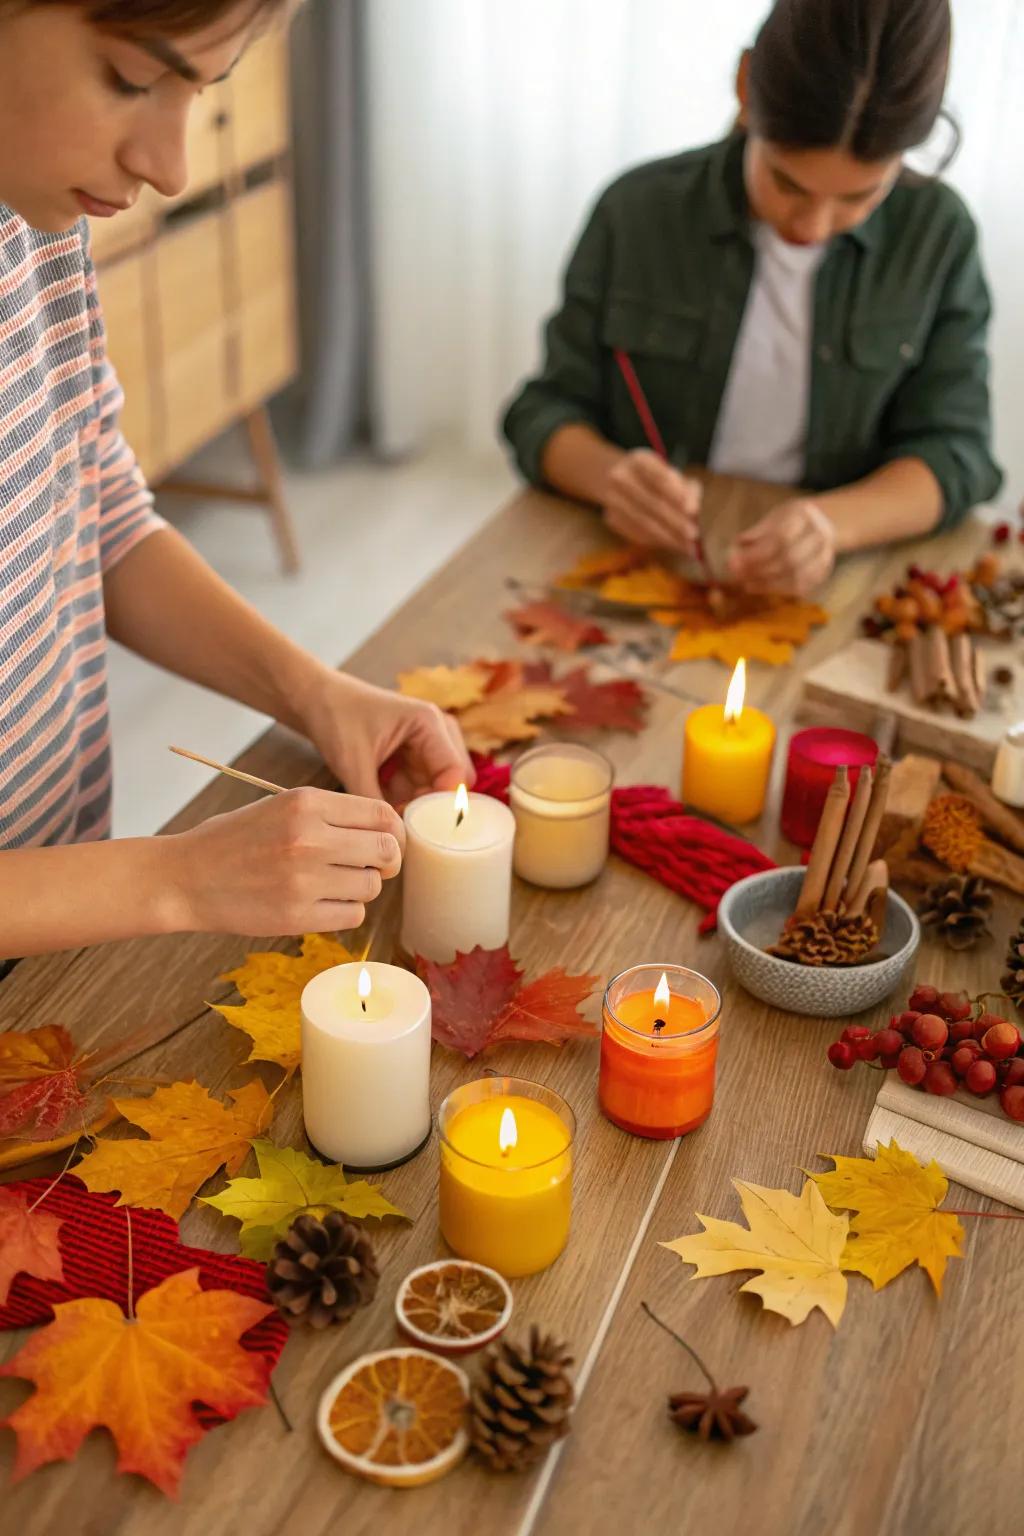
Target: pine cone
(827,938)
(958,908)
(711,1415)
(323,1271)
(1013,981)
(523,1404)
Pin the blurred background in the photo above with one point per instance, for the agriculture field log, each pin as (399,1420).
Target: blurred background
(380,208)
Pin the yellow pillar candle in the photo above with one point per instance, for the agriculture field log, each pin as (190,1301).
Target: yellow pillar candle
(727,756)
(505,1197)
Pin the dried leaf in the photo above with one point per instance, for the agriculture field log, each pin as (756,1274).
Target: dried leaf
(728,645)
(272,984)
(479,1001)
(761,629)
(139,1377)
(45,1082)
(28,1242)
(191,1136)
(447,687)
(619,705)
(510,715)
(15,1153)
(896,1221)
(290,1184)
(652,586)
(795,1240)
(548,624)
(591,570)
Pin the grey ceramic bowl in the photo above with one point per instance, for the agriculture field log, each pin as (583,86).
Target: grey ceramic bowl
(751,915)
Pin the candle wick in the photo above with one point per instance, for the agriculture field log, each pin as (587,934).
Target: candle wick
(459,819)
(658,1024)
(362,1004)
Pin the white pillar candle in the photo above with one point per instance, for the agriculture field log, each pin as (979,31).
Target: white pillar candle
(366,1064)
(1008,771)
(561,799)
(456,875)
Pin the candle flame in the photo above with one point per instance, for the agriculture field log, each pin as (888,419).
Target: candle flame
(737,692)
(364,986)
(508,1133)
(461,804)
(662,995)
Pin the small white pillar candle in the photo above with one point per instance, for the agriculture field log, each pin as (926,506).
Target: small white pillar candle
(1008,771)
(366,1064)
(456,875)
(561,799)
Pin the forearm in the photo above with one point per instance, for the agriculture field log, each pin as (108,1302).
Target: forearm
(88,893)
(164,602)
(899,501)
(577,460)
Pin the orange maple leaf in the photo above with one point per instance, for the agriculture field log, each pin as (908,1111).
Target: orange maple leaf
(762,629)
(137,1377)
(591,570)
(191,1136)
(652,586)
(447,687)
(480,1000)
(28,1242)
(510,715)
(548,624)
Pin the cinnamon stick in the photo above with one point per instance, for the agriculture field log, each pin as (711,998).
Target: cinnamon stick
(998,865)
(899,663)
(1007,826)
(848,842)
(877,903)
(917,659)
(875,875)
(872,822)
(961,649)
(830,829)
(942,688)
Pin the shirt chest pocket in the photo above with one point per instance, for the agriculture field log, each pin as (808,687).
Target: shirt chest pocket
(639,329)
(887,347)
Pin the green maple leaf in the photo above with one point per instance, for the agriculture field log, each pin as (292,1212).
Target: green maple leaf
(290,1184)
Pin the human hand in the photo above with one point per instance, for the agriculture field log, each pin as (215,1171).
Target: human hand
(357,727)
(305,861)
(650,503)
(791,550)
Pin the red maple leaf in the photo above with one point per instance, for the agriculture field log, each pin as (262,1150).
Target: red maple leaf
(46,1081)
(620,705)
(479,1000)
(549,624)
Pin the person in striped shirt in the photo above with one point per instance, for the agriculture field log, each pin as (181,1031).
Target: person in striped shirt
(94,101)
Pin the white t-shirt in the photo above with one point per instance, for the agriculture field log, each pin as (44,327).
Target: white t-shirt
(762,424)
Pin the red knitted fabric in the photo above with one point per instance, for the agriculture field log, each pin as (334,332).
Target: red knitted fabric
(693,857)
(94,1249)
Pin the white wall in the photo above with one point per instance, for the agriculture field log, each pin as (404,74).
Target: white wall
(494,123)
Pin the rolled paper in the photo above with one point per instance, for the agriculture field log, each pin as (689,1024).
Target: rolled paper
(872,822)
(848,842)
(830,830)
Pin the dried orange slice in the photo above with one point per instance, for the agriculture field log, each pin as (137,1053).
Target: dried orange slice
(397,1417)
(453,1306)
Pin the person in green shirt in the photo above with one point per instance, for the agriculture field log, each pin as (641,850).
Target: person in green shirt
(790,304)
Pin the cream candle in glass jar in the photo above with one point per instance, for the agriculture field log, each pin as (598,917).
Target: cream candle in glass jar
(561,799)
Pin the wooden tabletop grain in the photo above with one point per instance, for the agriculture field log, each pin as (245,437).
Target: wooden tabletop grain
(908,1419)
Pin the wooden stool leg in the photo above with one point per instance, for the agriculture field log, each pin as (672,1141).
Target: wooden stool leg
(268,465)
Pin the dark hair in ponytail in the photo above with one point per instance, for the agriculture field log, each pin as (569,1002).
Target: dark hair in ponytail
(867,76)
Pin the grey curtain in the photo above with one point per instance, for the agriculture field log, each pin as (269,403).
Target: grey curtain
(325,413)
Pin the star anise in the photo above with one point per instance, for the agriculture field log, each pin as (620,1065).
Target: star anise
(711,1415)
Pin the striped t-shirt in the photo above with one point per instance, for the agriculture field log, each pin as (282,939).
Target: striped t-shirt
(73,502)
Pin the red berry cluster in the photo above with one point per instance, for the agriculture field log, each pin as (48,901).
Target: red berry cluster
(1002,533)
(939,1042)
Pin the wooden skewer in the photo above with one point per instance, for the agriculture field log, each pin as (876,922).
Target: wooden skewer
(231,773)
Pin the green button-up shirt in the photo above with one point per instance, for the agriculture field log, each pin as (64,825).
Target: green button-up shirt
(663,269)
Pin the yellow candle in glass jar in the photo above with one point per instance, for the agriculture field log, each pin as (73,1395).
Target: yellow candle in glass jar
(727,756)
(505,1197)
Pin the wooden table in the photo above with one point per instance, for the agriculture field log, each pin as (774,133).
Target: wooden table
(908,1419)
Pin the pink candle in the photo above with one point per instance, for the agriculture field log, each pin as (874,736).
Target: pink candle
(814,756)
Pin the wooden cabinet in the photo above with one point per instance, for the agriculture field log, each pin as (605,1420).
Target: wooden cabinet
(199,293)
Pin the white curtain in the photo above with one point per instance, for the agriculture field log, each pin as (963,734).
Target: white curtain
(493,124)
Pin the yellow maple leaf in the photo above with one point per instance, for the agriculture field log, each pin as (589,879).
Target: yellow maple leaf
(509,715)
(272,984)
(896,1220)
(191,1135)
(729,644)
(591,570)
(451,688)
(795,1240)
(652,586)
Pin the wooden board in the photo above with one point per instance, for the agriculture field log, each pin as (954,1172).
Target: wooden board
(858,1436)
(850,688)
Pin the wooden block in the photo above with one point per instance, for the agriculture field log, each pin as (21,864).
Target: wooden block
(971,1139)
(850,688)
(913,784)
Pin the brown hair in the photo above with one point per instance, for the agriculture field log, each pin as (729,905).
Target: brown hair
(172,18)
(867,76)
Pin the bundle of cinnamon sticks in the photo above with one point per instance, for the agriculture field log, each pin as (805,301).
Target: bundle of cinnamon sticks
(944,670)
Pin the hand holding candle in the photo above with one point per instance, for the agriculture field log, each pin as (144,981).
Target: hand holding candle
(727,756)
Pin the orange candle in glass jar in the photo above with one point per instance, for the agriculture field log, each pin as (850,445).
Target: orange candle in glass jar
(659,1047)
